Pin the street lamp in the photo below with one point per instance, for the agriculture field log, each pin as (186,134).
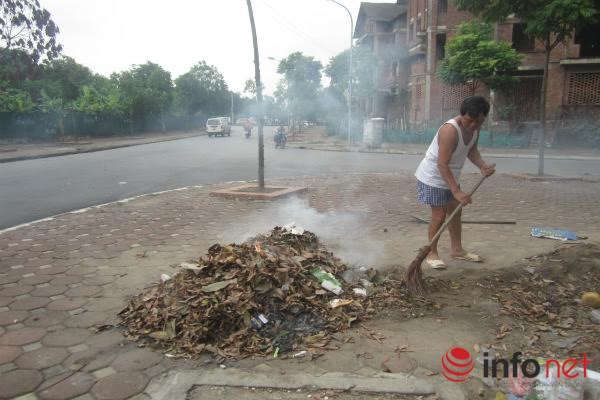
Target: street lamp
(350,72)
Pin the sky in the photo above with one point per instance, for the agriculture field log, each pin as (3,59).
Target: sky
(112,35)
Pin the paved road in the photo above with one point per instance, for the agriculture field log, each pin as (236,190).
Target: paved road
(35,189)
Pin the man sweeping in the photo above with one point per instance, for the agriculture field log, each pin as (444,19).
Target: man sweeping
(438,175)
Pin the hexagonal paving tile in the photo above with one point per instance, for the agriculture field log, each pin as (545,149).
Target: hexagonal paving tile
(87,319)
(66,280)
(35,280)
(9,354)
(75,385)
(16,290)
(19,381)
(106,339)
(84,291)
(137,360)
(105,304)
(99,280)
(78,270)
(11,278)
(47,319)
(4,301)
(54,270)
(66,337)
(22,336)
(12,317)
(47,291)
(42,358)
(119,386)
(30,303)
(80,359)
(67,304)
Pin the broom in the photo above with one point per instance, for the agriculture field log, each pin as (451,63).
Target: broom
(414,275)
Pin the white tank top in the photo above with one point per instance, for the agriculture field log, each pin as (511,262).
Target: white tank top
(428,171)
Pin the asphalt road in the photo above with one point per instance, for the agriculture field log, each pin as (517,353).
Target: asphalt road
(35,189)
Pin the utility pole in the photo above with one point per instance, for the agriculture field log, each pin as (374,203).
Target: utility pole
(349,73)
(232,121)
(261,148)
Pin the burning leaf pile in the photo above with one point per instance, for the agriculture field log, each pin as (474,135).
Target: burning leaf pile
(270,295)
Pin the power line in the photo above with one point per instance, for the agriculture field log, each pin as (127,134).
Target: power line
(293,28)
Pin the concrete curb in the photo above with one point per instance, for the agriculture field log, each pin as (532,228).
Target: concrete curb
(176,385)
(79,151)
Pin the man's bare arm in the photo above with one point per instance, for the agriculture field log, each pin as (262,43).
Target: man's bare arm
(447,142)
(475,157)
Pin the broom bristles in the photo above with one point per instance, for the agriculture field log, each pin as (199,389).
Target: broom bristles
(414,275)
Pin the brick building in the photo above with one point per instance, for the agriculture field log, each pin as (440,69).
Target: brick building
(409,39)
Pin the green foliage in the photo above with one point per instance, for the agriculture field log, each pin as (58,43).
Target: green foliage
(95,101)
(202,89)
(146,89)
(16,66)
(364,65)
(14,100)
(63,78)
(549,21)
(25,25)
(300,84)
(473,56)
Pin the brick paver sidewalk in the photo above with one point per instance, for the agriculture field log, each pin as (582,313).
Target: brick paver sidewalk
(63,281)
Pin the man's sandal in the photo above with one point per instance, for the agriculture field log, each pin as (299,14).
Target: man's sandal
(436,264)
(471,257)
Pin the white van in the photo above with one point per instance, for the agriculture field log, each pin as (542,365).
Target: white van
(218,126)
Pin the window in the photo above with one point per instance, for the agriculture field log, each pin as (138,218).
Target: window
(442,6)
(521,41)
(440,46)
(589,41)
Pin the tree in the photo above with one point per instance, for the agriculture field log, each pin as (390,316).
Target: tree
(64,77)
(146,90)
(25,25)
(300,85)
(549,21)
(364,65)
(202,88)
(473,56)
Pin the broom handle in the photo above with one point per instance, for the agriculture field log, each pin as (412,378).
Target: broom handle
(456,210)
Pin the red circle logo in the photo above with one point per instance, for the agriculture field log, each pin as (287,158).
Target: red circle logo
(457,364)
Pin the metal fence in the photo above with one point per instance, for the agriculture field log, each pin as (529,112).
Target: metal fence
(47,127)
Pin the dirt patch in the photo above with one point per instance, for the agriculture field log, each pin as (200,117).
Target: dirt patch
(533,306)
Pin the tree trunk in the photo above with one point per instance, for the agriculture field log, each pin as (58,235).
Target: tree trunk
(542,135)
(162,121)
(261,149)
(131,123)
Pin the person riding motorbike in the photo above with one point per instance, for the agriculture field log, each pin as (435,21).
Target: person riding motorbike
(248,128)
(280,137)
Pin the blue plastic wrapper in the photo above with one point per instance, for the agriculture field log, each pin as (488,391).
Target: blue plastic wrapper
(552,233)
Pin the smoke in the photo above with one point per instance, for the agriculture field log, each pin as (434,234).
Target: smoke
(342,233)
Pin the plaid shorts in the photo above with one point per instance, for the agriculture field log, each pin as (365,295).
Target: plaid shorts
(433,196)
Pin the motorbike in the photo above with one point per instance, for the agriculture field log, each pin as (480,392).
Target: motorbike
(280,139)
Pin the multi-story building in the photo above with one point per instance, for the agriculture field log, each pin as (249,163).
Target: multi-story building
(410,92)
(382,28)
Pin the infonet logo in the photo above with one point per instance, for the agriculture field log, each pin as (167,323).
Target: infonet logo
(457,364)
